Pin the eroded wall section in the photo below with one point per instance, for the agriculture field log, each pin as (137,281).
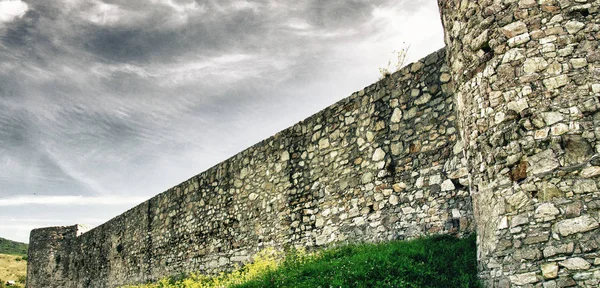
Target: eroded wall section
(380,165)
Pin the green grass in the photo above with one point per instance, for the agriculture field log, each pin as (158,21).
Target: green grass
(440,261)
(14,268)
(12,247)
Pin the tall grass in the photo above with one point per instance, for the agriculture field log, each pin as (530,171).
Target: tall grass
(440,261)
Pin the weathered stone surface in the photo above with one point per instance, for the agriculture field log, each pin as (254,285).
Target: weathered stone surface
(532,158)
(524,278)
(396,116)
(575,263)
(535,64)
(447,185)
(518,220)
(590,172)
(578,63)
(548,192)
(519,172)
(543,162)
(550,250)
(552,117)
(518,200)
(577,150)
(524,4)
(546,212)
(556,82)
(550,270)
(514,29)
(323,143)
(393,200)
(576,225)
(518,105)
(585,186)
(574,26)
(378,155)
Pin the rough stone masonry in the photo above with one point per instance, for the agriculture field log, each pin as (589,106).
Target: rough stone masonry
(508,114)
(527,85)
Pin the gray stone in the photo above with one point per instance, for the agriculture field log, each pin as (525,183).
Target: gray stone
(590,172)
(552,117)
(518,105)
(574,26)
(546,212)
(423,99)
(445,77)
(458,147)
(518,200)
(575,263)
(323,143)
(518,220)
(578,63)
(524,278)
(447,185)
(542,162)
(514,29)
(550,250)
(535,64)
(513,54)
(319,222)
(459,173)
(519,40)
(396,116)
(525,4)
(476,44)
(396,148)
(393,200)
(559,129)
(285,156)
(584,186)
(556,82)
(548,192)
(378,155)
(577,150)
(576,225)
(367,178)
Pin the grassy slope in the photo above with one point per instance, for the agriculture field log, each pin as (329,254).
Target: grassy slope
(12,265)
(440,261)
(12,247)
(11,268)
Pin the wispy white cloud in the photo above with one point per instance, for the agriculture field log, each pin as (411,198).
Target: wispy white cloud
(70,200)
(11,9)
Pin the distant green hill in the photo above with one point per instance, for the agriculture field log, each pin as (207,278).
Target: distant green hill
(12,247)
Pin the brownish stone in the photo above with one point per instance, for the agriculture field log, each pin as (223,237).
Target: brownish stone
(519,172)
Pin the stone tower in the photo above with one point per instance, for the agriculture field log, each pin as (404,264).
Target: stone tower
(526,76)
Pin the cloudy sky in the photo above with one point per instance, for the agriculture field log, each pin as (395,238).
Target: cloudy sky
(105,103)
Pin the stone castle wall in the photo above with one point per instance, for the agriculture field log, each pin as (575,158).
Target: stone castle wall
(383,164)
(527,84)
(512,122)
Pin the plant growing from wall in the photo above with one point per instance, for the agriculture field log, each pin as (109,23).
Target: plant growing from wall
(399,61)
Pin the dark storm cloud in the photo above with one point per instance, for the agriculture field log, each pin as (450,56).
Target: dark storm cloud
(114,100)
(161,33)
